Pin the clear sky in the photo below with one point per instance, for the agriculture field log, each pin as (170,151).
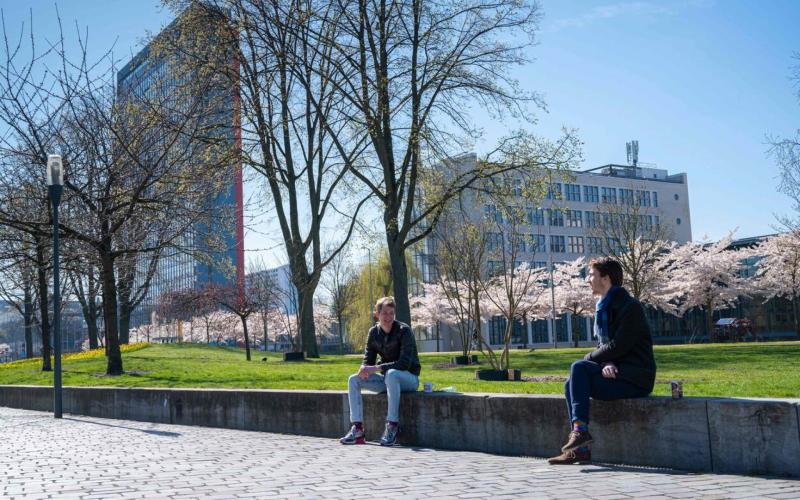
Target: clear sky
(699,83)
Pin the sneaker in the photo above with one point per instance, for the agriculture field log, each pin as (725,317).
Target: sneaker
(389,437)
(354,436)
(571,457)
(576,440)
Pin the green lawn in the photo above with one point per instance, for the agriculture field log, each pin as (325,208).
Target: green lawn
(744,370)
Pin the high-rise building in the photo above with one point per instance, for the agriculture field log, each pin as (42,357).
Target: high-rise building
(564,226)
(211,251)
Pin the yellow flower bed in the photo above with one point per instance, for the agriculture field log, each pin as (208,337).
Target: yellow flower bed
(91,353)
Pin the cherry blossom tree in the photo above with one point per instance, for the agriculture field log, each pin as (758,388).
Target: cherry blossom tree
(778,273)
(434,308)
(515,294)
(572,293)
(707,275)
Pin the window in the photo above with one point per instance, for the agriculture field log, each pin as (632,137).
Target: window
(574,218)
(626,196)
(592,219)
(678,221)
(644,198)
(556,217)
(490,213)
(517,187)
(613,245)
(494,241)
(497,330)
(495,267)
(535,216)
(536,243)
(594,245)
(554,191)
(655,199)
(573,192)
(590,194)
(575,244)
(676,196)
(557,244)
(609,195)
(539,264)
(519,239)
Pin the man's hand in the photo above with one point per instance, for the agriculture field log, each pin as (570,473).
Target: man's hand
(365,371)
(610,370)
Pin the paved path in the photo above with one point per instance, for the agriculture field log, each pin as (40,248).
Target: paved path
(82,457)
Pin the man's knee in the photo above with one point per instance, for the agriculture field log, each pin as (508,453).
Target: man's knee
(353,380)
(580,365)
(392,375)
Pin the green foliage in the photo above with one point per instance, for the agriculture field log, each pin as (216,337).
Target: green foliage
(360,309)
(734,370)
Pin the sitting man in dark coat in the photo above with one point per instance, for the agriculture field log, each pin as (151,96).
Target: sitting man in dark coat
(622,366)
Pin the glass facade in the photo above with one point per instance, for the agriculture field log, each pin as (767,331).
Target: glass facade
(211,252)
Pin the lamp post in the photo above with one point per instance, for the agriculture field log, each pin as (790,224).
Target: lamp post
(55,185)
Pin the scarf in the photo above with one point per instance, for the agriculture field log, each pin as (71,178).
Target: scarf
(601,315)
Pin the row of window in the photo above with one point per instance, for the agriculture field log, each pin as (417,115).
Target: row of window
(595,194)
(572,218)
(558,243)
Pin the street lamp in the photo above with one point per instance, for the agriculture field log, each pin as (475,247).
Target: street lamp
(55,185)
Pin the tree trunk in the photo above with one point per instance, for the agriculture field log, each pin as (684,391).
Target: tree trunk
(246,337)
(709,320)
(43,306)
(308,336)
(266,337)
(397,261)
(109,284)
(341,331)
(28,321)
(796,315)
(124,323)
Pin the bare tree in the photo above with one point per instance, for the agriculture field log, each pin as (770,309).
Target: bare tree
(293,129)
(631,231)
(411,69)
(786,152)
(17,282)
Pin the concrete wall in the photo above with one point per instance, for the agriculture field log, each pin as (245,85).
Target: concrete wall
(740,436)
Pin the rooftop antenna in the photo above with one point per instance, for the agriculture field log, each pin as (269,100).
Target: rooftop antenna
(633,152)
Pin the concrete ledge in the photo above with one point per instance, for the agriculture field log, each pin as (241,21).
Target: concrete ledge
(740,436)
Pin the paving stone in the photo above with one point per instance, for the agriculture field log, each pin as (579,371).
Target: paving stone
(83,457)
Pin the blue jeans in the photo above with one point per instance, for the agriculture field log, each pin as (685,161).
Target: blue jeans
(586,380)
(393,383)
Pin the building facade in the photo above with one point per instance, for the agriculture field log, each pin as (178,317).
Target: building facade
(563,226)
(209,252)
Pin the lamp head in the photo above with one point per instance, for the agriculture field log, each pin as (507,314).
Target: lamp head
(55,171)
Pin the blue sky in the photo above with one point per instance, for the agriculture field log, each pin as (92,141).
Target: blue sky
(699,83)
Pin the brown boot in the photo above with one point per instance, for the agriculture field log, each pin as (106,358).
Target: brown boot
(576,440)
(571,457)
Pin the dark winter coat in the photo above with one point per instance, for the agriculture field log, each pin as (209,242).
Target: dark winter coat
(398,349)
(630,345)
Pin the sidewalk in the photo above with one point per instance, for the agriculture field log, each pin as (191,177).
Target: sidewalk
(81,457)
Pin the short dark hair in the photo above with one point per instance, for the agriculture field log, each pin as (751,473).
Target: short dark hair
(384,301)
(610,267)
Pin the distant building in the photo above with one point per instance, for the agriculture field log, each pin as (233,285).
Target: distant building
(154,75)
(282,292)
(561,229)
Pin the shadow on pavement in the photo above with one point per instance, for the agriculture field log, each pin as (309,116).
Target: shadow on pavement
(146,431)
(601,467)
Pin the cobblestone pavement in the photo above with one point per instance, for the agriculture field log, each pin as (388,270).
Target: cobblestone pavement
(82,457)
